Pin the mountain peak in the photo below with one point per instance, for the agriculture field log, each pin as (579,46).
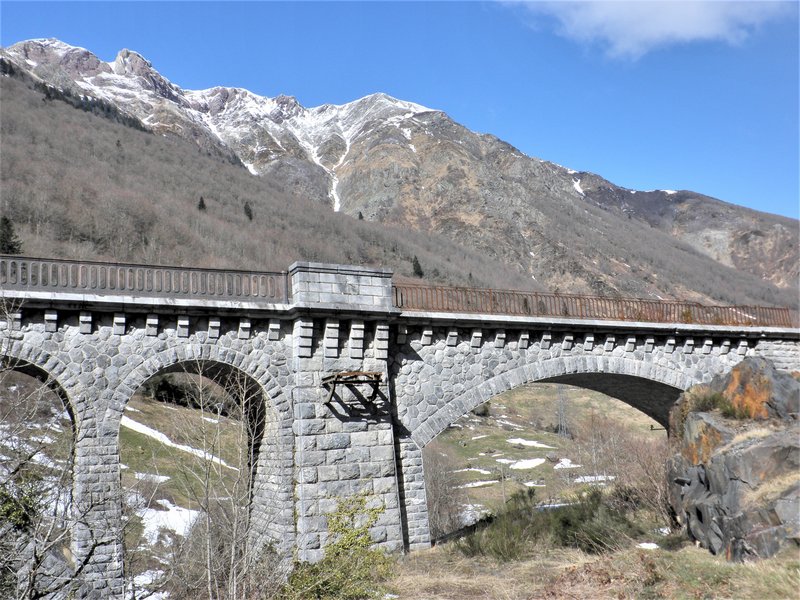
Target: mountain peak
(129,62)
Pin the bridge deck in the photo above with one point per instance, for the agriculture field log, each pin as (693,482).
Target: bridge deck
(34,275)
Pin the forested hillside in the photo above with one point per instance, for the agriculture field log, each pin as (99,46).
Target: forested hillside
(79,185)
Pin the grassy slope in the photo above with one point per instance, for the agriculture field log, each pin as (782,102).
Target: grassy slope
(533,411)
(443,573)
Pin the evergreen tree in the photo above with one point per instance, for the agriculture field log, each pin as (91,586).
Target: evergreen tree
(201,205)
(360,216)
(418,272)
(248,211)
(9,242)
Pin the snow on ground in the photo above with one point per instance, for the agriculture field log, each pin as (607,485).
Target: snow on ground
(527,464)
(510,424)
(174,518)
(478,437)
(475,484)
(151,477)
(533,484)
(594,478)
(474,470)
(531,443)
(566,463)
(576,183)
(647,546)
(157,435)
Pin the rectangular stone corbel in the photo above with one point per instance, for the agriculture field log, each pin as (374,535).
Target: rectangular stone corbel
(476,339)
(214,327)
(500,338)
(85,321)
(630,344)
(151,325)
(118,324)
(649,344)
(427,336)
(331,340)
(51,321)
(725,347)
(588,342)
(688,346)
(567,341)
(244,328)
(14,320)
(452,338)
(402,334)
(274,331)
(547,339)
(707,345)
(382,341)
(357,339)
(742,348)
(524,340)
(183,326)
(303,337)
(610,342)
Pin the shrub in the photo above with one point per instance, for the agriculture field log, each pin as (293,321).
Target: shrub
(590,523)
(351,568)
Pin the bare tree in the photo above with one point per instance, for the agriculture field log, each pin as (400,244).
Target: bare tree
(38,514)
(446,500)
(216,557)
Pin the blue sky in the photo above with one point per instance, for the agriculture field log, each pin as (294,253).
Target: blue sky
(666,95)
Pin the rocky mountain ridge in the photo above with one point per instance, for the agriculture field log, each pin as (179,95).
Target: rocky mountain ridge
(398,162)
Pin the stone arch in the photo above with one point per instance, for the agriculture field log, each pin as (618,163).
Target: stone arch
(271,503)
(31,360)
(47,368)
(667,382)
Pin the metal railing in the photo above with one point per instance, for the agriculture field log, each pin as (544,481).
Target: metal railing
(413,297)
(114,279)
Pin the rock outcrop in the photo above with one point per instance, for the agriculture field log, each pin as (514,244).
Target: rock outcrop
(735,475)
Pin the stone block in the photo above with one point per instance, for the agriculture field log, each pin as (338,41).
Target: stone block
(85,322)
(334,441)
(500,339)
(182,329)
(524,340)
(50,321)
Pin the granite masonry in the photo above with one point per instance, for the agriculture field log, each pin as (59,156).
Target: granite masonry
(352,387)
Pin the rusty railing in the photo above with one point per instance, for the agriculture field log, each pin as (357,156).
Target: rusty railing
(412,297)
(113,279)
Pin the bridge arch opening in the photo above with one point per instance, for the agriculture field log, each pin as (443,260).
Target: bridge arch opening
(202,468)
(37,460)
(547,438)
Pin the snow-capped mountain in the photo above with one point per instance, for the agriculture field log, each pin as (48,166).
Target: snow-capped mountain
(395,161)
(260,130)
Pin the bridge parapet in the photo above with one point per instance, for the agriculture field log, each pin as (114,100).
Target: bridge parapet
(50,278)
(417,298)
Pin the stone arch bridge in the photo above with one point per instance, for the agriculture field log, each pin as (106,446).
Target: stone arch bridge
(355,375)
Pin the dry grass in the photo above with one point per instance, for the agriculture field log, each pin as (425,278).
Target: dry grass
(441,574)
(750,434)
(770,490)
